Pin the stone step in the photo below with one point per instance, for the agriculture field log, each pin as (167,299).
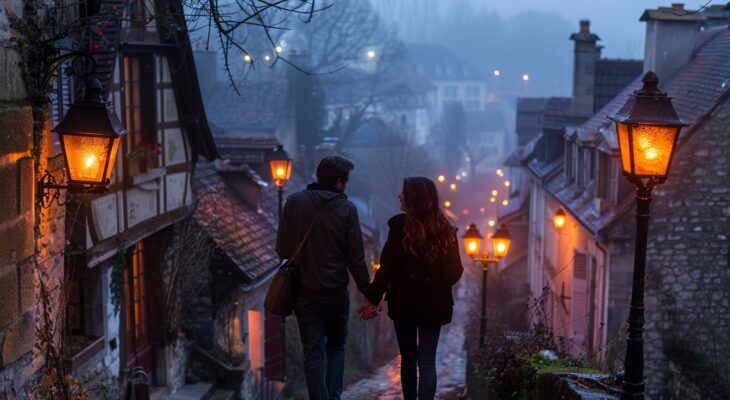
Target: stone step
(222,394)
(194,391)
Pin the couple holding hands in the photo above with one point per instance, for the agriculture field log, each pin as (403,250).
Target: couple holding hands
(419,264)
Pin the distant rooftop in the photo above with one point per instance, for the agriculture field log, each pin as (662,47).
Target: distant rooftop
(260,107)
(437,62)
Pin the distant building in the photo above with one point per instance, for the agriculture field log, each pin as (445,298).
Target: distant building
(454,79)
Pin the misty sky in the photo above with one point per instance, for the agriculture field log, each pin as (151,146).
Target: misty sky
(615,21)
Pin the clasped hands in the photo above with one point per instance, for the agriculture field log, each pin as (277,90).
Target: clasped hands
(369,310)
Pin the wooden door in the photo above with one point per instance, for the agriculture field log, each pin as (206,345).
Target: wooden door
(137,334)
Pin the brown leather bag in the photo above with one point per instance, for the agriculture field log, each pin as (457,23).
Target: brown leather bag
(283,289)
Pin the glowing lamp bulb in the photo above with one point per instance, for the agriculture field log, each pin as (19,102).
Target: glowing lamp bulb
(500,247)
(278,49)
(525,77)
(500,172)
(247,58)
(492,199)
(90,161)
(494,192)
(496,72)
(559,219)
(505,202)
(447,204)
(473,247)
(491,223)
(452,187)
(506,183)
(371,54)
(280,173)
(267,57)
(441,178)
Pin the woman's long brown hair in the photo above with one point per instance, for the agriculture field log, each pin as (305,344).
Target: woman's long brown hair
(427,231)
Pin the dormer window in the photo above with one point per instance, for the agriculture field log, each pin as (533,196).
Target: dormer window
(568,162)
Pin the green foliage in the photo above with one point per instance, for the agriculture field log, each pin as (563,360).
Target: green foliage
(116,283)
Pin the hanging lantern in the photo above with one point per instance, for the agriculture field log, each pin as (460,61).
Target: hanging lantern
(647,128)
(559,219)
(90,134)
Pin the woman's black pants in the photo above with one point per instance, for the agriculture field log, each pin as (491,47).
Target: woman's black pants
(418,345)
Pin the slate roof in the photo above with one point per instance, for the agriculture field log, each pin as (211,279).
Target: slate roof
(245,236)
(696,90)
(261,107)
(238,149)
(612,75)
(670,14)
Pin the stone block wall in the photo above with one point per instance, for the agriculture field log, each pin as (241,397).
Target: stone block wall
(688,288)
(31,239)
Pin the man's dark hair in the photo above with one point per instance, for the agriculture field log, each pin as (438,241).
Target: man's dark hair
(333,168)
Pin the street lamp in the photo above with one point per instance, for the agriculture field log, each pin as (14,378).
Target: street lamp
(559,219)
(500,246)
(647,128)
(280,165)
(90,134)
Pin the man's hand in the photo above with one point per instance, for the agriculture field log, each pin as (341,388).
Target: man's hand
(368,310)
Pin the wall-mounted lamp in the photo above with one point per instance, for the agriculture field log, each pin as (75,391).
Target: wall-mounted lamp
(90,134)
(559,219)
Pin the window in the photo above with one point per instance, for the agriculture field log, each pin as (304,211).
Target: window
(568,167)
(84,307)
(139,113)
(135,307)
(451,91)
(580,173)
(473,91)
(471,105)
(604,175)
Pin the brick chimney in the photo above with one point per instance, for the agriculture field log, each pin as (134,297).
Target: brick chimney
(585,55)
(670,39)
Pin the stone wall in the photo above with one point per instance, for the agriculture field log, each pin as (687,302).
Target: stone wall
(688,288)
(23,252)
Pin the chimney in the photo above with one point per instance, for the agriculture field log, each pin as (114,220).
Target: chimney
(670,40)
(585,55)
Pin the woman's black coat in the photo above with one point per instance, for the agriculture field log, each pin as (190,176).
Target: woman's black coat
(418,291)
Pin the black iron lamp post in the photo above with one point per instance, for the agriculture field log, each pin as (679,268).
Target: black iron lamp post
(90,134)
(280,165)
(472,243)
(647,128)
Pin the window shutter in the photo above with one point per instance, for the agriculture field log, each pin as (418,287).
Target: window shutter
(579,306)
(274,347)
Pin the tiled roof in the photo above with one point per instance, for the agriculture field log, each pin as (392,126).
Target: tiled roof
(244,235)
(612,75)
(240,149)
(261,107)
(670,14)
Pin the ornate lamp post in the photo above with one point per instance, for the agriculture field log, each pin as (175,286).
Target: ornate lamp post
(280,165)
(90,134)
(647,128)
(472,243)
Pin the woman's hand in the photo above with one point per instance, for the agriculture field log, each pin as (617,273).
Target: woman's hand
(368,310)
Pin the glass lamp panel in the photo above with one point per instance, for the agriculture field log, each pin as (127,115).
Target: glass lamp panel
(472,245)
(623,145)
(112,158)
(280,169)
(652,146)
(86,156)
(501,246)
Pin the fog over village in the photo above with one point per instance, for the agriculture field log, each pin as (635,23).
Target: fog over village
(149,149)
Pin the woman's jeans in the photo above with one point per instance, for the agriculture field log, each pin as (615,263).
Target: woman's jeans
(323,330)
(418,345)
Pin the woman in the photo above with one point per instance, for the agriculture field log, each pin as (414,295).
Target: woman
(418,266)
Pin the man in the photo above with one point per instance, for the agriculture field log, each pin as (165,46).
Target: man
(333,247)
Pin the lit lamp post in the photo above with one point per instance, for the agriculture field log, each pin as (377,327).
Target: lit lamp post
(90,134)
(500,245)
(647,128)
(280,165)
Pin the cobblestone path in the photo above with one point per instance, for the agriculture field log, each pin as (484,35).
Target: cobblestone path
(384,384)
